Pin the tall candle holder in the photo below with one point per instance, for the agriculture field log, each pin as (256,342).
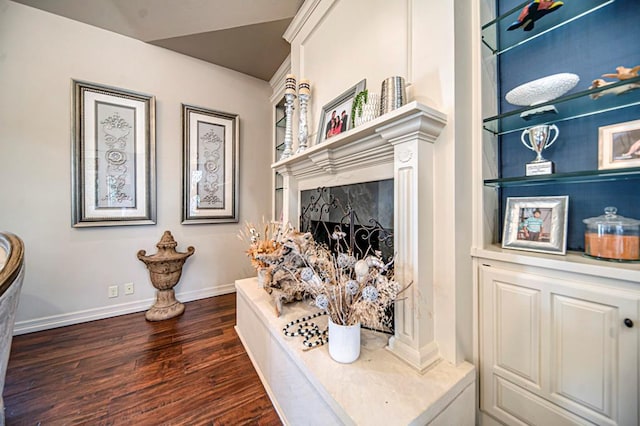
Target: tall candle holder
(289,97)
(304,91)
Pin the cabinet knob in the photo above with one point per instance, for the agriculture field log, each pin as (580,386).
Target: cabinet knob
(628,322)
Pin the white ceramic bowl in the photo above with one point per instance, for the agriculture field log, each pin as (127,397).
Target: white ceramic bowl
(542,90)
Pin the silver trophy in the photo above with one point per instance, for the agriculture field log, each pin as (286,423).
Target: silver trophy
(539,139)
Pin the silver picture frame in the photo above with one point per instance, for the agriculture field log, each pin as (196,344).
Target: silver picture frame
(113,156)
(536,224)
(210,166)
(340,105)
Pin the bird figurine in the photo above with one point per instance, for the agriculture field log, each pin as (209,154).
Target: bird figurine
(534,11)
(624,73)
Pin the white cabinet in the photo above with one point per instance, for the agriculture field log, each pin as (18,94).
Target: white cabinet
(555,350)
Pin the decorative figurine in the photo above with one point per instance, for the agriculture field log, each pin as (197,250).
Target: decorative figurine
(534,11)
(165,269)
(289,97)
(624,73)
(304,93)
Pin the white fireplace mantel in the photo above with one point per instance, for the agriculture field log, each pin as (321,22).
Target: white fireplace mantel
(364,146)
(397,145)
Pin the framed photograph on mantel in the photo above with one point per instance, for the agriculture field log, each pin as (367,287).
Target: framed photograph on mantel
(536,224)
(113,157)
(335,117)
(619,145)
(210,166)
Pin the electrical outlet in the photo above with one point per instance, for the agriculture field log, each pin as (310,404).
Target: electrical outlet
(128,288)
(113,291)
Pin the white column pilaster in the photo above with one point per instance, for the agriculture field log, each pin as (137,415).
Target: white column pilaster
(412,140)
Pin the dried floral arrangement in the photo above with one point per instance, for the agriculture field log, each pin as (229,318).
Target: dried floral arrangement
(283,273)
(350,290)
(264,238)
(297,267)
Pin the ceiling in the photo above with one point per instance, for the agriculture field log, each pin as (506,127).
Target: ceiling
(243,35)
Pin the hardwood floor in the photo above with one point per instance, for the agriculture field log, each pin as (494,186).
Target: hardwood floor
(190,370)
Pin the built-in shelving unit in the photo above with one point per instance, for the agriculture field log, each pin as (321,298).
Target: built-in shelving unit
(583,110)
(279,129)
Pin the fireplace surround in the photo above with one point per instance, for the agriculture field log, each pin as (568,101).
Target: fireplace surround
(398,146)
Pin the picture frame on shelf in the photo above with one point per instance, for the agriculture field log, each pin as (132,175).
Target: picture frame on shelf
(113,156)
(210,165)
(619,145)
(335,117)
(536,224)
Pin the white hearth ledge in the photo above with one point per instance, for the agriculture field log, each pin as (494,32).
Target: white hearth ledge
(308,387)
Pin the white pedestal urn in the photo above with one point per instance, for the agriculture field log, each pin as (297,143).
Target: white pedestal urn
(344,342)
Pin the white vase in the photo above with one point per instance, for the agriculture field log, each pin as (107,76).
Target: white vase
(262,276)
(370,110)
(344,342)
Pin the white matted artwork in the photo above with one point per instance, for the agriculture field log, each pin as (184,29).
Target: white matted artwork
(210,151)
(113,159)
(619,145)
(536,224)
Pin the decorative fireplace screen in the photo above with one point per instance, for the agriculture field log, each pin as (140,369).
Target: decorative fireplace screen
(356,218)
(362,214)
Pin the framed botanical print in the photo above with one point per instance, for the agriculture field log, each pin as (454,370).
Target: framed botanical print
(113,157)
(210,165)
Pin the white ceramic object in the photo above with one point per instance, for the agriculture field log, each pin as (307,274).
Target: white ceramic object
(370,110)
(542,90)
(344,342)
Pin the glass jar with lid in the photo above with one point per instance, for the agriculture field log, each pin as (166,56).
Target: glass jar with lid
(612,237)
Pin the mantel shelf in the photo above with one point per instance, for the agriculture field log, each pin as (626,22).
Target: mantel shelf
(372,141)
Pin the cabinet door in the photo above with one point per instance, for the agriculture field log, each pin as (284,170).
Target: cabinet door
(557,352)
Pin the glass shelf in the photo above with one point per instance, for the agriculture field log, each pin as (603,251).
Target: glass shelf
(496,37)
(573,177)
(281,122)
(619,95)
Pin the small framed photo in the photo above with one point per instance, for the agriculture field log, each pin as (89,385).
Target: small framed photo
(536,224)
(210,142)
(113,157)
(335,117)
(619,145)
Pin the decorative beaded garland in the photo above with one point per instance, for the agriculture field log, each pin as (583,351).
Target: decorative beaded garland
(308,330)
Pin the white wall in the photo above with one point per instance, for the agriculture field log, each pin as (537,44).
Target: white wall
(339,42)
(69,269)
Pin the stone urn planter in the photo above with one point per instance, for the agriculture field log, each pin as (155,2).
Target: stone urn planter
(165,269)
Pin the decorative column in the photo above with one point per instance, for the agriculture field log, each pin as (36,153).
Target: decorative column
(304,93)
(414,206)
(289,97)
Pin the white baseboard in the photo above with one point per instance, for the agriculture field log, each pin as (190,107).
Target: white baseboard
(61,320)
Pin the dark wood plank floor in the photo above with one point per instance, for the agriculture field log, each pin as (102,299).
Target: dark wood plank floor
(190,370)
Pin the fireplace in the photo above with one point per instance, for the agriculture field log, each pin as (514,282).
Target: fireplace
(397,149)
(397,146)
